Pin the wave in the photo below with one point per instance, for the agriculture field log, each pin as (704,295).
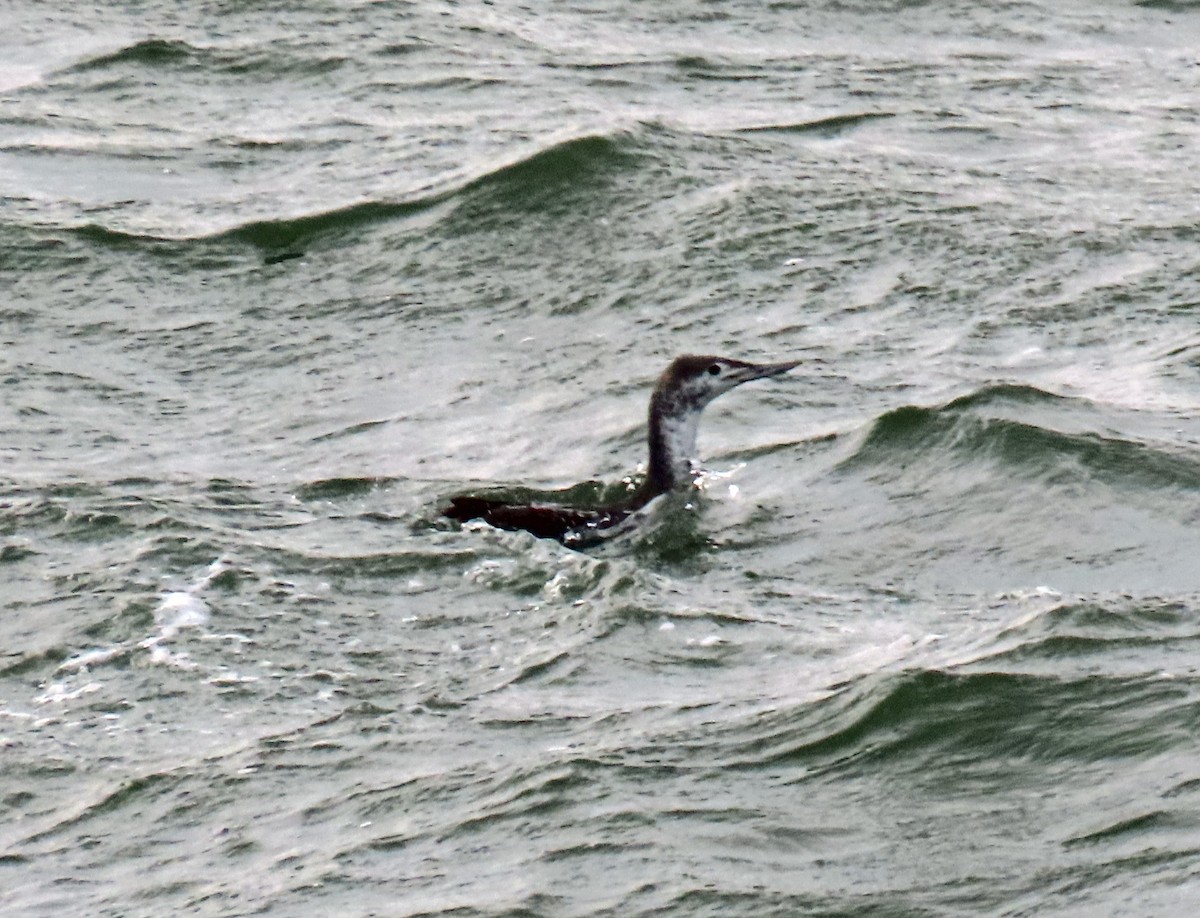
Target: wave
(1080,680)
(1133,636)
(272,236)
(918,719)
(831,126)
(150,51)
(569,160)
(1025,429)
(335,488)
(542,179)
(160,53)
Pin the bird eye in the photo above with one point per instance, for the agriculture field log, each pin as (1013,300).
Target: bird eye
(714,370)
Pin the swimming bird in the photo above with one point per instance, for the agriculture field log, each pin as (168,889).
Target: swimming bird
(679,398)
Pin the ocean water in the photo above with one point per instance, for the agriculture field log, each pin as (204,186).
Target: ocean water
(278,278)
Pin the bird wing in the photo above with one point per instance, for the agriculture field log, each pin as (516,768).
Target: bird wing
(546,521)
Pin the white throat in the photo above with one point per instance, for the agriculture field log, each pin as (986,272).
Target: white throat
(679,443)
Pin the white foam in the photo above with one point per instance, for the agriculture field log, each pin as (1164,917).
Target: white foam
(177,611)
(59,691)
(92,658)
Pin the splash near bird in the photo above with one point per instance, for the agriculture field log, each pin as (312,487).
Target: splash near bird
(682,393)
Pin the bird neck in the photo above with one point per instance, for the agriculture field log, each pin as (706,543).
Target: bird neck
(672,442)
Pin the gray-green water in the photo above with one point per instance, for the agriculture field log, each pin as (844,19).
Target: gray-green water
(277,278)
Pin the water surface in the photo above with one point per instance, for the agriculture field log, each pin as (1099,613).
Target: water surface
(281,277)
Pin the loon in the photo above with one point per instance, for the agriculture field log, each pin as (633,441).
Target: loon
(679,398)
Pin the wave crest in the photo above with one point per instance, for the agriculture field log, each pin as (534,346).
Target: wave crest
(545,179)
(1021,428)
